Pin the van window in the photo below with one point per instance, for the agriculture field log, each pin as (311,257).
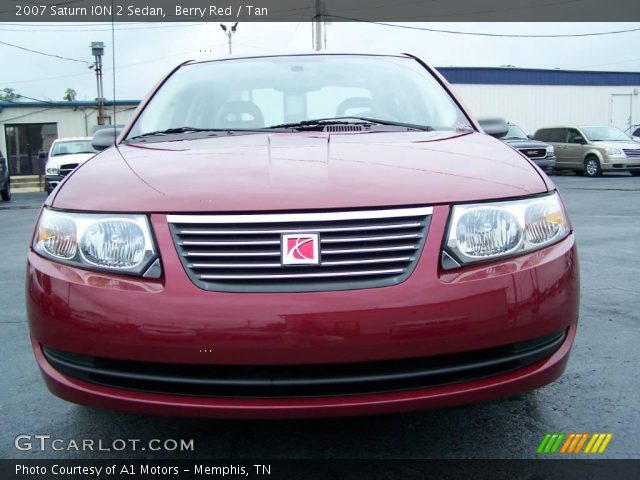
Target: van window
(557,135)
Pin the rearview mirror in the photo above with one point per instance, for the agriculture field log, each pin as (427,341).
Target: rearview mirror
(494,126)
(105,138)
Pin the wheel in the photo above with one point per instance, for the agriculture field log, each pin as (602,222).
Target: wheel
(6,192)
(592,167)
(635,173)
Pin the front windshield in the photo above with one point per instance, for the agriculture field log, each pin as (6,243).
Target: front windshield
(262,92)
(515,133)
(71,147)
(605,134)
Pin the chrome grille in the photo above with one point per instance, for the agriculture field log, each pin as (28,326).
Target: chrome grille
(67,168)
(358,249)
(632,152)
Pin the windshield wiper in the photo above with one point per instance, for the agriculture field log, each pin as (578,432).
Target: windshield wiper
(322,122)
(171,131)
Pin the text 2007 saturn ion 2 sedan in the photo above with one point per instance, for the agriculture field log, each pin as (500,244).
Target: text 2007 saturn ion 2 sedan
(302,235)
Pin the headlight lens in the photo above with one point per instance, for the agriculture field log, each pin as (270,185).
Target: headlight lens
(551,150)
(614,152)
(53,170)
(114,242)
(487,231)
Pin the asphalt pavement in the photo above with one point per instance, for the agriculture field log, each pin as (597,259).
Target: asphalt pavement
(599,392)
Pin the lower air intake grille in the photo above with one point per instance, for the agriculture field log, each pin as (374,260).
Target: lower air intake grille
(244,253)
(269,381)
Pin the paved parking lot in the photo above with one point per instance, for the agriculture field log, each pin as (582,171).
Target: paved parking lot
(599,392)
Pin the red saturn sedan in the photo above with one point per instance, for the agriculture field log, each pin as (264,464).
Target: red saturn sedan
(300,236)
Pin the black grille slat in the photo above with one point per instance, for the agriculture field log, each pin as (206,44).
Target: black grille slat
(235,253)
(269,381)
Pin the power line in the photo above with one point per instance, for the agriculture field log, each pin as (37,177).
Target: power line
(483,34)
(43,53)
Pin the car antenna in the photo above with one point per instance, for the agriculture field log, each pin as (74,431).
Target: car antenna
(113,67)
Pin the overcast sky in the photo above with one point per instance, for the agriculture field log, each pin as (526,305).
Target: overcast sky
(144,52)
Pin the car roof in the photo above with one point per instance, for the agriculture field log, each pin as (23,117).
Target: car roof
(298,54)
(578,126)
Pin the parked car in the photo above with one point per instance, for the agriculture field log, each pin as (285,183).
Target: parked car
(64,156)
(324,235)
(634,132)
(542,154)
(5,179)
(592,150)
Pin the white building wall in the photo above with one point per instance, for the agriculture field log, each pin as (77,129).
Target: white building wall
(71,121)
(537,106)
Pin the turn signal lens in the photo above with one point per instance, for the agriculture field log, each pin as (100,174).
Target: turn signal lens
(57,236)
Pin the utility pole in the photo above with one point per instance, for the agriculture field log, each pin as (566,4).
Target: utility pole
(97,50)
(318,24)
(229,32)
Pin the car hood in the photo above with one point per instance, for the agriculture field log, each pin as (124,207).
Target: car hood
(526,143)
(71,158)
(299,171)
(630,144)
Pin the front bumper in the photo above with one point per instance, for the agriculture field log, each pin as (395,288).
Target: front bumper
(620,164)
(52,181)
(433,313)
(547,163)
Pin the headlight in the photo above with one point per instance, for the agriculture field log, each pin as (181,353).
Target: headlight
(486,231)
(114,242)
(614,152)
(53,170)
(551,150)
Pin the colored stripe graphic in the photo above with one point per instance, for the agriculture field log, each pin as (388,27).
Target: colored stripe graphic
(574,442)
(551,443)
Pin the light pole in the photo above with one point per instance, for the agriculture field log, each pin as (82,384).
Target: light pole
(97,50)
(229,32)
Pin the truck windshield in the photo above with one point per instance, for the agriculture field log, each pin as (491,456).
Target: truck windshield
(515,133)
(71,147)
(260,93)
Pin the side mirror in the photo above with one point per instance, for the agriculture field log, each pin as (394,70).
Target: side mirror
(577,140)
(42,155)
(530,137)
(105,138)
(494,126)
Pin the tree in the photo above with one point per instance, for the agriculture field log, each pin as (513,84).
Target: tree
(70,95)
(9,95)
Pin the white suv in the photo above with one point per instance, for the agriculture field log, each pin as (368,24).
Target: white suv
(65,155)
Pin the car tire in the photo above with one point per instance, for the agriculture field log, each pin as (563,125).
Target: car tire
(592,166)
(6,192)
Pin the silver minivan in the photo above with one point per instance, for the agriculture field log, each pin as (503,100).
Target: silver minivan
(592,150)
